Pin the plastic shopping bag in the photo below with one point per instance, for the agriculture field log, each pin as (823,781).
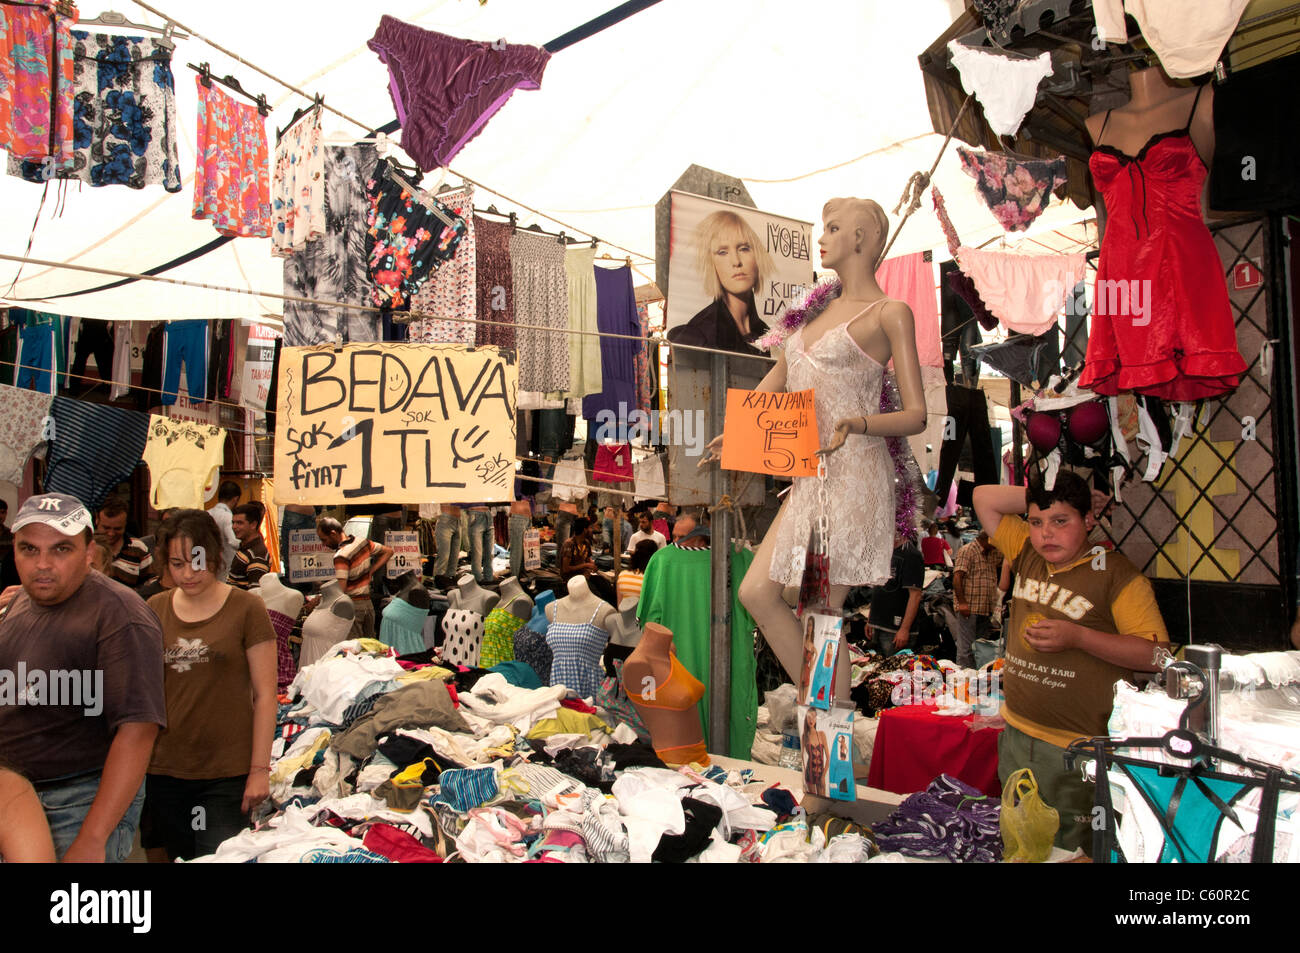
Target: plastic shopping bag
(1028,823)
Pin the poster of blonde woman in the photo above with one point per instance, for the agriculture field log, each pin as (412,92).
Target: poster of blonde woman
(732,272)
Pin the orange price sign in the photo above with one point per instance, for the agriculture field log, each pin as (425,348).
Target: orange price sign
(770,432)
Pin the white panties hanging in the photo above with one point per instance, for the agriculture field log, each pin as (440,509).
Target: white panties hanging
(1006,88)
(1187,35)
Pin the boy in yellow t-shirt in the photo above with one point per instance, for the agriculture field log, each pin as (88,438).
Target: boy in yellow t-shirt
(1079,622)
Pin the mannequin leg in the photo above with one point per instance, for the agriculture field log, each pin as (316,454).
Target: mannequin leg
(762,597)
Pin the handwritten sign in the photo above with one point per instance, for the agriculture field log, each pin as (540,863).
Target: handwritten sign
(532,549)
(396,423)
(770,432)
(309,561)
(406,553)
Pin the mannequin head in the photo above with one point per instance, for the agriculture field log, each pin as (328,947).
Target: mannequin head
(578,589)
(854,232)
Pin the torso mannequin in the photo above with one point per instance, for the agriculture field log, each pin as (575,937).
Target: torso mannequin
(521,607)
(329,623)
(577,636)
(1150,167)
(1156,105)
(666,696)
(279,597)
(412,591)
(402,625)
(521,508)
(282,607)
(468,594)
(856,335)
(580,605)
(510,591)
(624,629)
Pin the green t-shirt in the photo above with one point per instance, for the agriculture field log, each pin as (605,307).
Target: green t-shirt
(677,595)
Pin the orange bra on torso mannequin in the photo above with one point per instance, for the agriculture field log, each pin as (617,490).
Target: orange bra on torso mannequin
(678,692)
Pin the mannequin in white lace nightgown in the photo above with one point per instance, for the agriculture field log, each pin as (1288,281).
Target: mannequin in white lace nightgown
(841,354)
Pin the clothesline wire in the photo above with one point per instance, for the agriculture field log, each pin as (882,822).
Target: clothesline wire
(583,486)
(514,201)
(194,34)
(108,382)
(279,322)
(602,334)
(81,400)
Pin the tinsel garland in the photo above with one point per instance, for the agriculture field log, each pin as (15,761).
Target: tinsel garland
(907,475)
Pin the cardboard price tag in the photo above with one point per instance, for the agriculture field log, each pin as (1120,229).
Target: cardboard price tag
(532,549)
(309,561)
(406,553)
(771,432)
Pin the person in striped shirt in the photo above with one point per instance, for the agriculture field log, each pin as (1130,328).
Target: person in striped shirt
(631,579)
(355,563)
(130,557)
(252,560)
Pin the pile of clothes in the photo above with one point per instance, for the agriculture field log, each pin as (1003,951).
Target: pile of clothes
(385,759)
(949,819)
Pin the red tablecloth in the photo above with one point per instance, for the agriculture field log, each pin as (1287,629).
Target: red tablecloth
(914,746)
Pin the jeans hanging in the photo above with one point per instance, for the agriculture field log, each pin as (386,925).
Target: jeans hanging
(969,415)
(960,329)
(1076,327)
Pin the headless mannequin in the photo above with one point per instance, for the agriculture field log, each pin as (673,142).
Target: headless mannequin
(279,597)
(521,607)
(624,629)
(1155,105)
(329,622)
(854,234)
(510,591)
(468,594)
(579,605)
(672,717)
(412,591)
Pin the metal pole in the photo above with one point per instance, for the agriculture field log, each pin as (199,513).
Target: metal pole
(1017,440)
(720,628)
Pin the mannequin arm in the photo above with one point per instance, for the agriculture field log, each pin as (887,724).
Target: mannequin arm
(773,380)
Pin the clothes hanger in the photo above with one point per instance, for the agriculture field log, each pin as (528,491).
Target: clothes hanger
(228,81)
(114,19)
(317,101)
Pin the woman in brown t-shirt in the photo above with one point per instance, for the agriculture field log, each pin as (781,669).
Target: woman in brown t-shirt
(211,765)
